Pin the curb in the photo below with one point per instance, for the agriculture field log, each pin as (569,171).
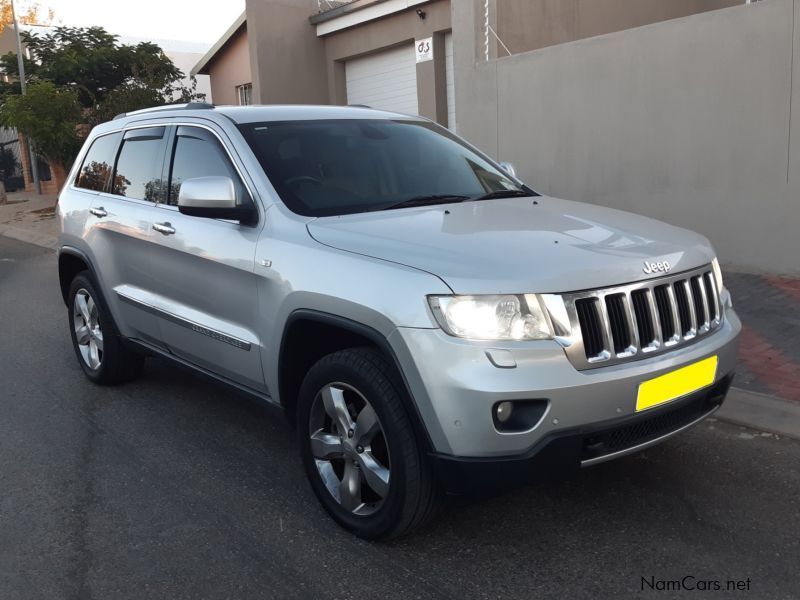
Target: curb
(749,409)
(762,412)
(29,237)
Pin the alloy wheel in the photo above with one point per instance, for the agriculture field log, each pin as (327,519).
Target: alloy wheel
(349,448)
(88,333)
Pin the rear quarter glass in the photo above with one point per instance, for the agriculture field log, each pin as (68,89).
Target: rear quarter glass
(95,171)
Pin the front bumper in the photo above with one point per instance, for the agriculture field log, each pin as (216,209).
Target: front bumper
(455,385)
(562,453)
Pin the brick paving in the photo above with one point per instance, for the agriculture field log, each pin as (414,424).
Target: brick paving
(769,356)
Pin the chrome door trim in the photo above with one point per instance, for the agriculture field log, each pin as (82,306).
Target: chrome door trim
(160,352)
(196,327)
(161,123)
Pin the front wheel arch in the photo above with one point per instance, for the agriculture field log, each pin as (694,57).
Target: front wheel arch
(331,333)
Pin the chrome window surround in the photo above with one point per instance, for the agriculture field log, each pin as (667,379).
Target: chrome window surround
(160,122)
(564,316)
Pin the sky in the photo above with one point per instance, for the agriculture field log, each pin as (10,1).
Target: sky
(200,21)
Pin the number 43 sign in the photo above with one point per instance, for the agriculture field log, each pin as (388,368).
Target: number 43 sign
(424,49)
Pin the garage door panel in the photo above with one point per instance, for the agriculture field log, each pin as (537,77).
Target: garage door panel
(386,80)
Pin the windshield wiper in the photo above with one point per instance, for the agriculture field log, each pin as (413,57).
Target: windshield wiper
(427,200)
(455,198)
(504,194)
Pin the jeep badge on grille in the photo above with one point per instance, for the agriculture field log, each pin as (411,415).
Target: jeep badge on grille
(655,267)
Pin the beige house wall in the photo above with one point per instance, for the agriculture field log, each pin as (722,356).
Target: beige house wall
(525,25)
(291,64)
(230,68)
(287,58)
(692,121)
(400,28)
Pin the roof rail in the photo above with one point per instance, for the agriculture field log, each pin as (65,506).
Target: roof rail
(185,106)
(358,106)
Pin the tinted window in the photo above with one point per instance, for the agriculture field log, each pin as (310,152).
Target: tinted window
(198,153)
(334,167)
(138,172)
(96,169)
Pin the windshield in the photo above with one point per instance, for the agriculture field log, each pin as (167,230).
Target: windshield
(336,167)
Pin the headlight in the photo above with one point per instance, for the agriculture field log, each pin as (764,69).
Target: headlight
(504,317)
(717,274)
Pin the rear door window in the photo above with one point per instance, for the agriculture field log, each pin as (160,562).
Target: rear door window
(95,172)
(139,164)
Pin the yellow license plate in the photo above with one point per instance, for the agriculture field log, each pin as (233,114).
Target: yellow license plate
(676,384)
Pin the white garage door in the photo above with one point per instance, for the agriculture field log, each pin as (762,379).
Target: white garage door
(451,81)
(387,80)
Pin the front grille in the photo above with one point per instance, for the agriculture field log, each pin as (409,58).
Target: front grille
(635,321)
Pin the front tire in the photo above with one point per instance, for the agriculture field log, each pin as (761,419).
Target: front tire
(95,337)
(358,446)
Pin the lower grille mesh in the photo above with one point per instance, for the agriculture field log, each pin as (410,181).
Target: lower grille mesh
(628,436)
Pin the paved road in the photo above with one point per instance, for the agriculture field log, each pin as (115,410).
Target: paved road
(173,488)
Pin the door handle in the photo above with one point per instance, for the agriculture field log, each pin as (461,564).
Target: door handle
(165,228)
(99,212)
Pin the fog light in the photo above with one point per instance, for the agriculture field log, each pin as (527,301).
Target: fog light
(503,411)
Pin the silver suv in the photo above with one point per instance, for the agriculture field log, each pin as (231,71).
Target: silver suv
(429,322)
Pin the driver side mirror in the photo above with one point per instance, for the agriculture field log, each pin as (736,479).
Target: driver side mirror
(213,198)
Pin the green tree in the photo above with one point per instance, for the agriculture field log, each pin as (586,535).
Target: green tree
(49,116)
(87,68)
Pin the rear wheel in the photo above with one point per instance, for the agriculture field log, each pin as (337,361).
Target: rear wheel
(97,343)
(359,448)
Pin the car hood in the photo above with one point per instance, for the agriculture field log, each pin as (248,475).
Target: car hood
(518,245)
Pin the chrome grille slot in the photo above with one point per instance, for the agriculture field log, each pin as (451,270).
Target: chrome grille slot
(643,316)
(687,325)
(700,309)
(589,320)
(620,324)
(635,321)
(711,294)
(618,321)
(666,314)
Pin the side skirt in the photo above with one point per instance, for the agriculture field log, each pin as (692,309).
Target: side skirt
(240,390)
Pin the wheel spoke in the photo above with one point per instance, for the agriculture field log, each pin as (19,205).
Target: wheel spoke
(80,302)
(94,355)
(349,449)
(329,477)
(326,446)
(336,407)
(92,308)
(367,425)
(375,474)
(350,488)
(98,338)
(82,335)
